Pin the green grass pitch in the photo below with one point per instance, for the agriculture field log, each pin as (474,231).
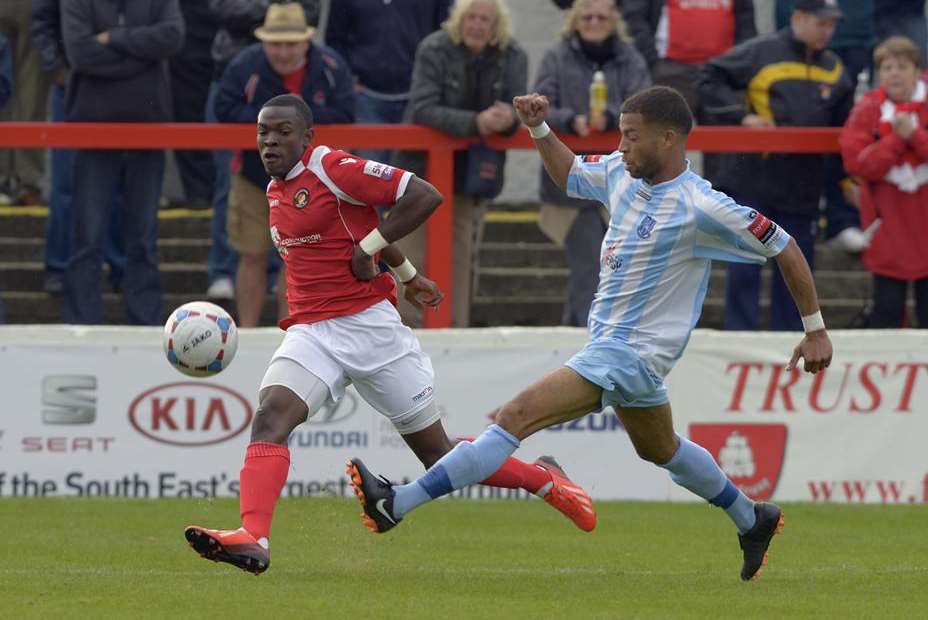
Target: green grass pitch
(94,558)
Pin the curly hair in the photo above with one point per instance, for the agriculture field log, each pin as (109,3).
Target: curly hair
(503,28)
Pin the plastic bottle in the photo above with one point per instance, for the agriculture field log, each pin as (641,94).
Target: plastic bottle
(863,85)
(598,97)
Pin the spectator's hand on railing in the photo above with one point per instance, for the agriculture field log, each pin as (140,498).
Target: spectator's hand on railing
(756,122)
(420,290)
(903,125)
(532,109)
(363,266)
(816,351)
(103,38)
(485,122)
(495,119)
(507,115)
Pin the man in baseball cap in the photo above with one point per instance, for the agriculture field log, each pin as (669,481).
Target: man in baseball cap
(785,79)
(824,9)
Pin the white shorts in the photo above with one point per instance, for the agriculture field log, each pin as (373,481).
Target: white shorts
(373,350)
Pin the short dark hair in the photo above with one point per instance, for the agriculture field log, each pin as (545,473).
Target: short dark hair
(294,102)
(661,105)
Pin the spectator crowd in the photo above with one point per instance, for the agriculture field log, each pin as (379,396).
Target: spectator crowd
(455,65)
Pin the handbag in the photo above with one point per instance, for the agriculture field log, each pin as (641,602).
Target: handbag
(483,177)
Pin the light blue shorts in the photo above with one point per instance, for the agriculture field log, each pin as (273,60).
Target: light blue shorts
(626,379)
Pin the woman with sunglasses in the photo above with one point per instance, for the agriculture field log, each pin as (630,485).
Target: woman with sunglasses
(594,41)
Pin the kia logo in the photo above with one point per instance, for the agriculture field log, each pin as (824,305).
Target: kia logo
(342,410)
(190,413)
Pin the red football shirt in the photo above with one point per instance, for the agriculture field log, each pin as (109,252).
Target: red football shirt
(317,214)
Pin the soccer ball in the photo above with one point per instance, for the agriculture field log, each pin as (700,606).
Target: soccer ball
(200,339)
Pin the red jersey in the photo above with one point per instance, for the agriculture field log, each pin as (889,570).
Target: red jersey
(895,182)
(318,213)
(694,31)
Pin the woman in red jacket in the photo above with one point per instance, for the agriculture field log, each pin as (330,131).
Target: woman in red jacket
(885,144)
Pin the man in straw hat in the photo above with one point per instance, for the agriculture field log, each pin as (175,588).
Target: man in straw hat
(284,61)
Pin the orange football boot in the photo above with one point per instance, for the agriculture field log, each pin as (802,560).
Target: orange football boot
(567,497)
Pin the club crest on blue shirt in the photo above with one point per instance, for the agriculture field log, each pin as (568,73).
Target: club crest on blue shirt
(301,198)
(646,226)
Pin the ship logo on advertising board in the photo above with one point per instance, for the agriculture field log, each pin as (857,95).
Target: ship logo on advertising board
(750,454)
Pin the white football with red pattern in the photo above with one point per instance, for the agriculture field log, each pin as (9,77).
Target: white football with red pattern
(200,339)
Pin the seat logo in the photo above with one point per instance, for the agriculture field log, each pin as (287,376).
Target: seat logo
(69,399)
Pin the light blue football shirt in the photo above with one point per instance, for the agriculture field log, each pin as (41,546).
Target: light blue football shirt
(656,256)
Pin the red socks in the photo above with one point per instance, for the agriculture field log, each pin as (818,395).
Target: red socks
(266,466)
(262,477)
(516,474)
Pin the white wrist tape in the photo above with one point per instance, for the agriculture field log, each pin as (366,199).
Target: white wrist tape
(373,242)
(539,131)
(405,272)
(813,322)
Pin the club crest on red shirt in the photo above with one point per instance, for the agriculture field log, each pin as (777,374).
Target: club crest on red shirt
(301,198)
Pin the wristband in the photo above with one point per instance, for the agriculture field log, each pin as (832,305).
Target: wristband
(373,242)
(813,322)
(539,131)
(405,272)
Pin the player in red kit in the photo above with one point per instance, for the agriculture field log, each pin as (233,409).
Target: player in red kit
(343,326)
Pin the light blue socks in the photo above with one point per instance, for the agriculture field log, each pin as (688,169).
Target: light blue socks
(468,463)
(693,468)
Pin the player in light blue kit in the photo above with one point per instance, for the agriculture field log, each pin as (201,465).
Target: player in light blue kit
(667,224)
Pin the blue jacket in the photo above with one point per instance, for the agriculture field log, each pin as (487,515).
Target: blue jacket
(249,82)
(379,39)
(6,72)
(898,8)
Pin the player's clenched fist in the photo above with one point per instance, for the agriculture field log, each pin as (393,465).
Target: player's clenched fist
(532,108)
(420,290)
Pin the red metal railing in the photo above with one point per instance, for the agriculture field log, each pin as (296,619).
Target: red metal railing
(440,148)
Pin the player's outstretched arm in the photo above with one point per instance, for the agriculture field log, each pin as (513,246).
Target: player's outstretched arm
(557,158)
(815,348)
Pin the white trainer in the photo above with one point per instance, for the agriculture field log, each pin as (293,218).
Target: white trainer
(221,288)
